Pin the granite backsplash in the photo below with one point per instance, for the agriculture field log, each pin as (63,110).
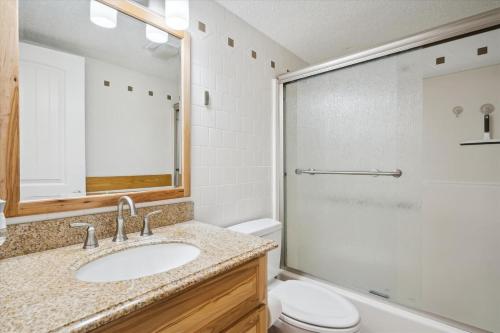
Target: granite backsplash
(25,238)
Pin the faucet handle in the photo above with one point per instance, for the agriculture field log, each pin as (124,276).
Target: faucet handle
(146,230)
(90,239)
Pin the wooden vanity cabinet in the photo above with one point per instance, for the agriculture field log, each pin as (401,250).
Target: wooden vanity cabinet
(232,302)
(255,322)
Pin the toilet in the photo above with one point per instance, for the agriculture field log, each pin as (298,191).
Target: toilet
(305,307)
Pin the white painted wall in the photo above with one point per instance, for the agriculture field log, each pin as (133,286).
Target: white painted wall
(128,133)
(232,141)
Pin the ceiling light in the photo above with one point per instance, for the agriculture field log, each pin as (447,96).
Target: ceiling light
(157,6)
(177,14)
(102,15)
(156,35)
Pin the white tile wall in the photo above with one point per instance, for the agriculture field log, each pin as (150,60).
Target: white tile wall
(231,152)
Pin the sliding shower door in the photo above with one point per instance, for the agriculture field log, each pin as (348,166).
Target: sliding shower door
(429,239)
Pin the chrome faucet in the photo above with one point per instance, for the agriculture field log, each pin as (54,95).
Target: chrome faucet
(146,228)
(120,234)
(90,238)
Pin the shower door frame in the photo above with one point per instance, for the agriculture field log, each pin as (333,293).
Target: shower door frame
(485,21)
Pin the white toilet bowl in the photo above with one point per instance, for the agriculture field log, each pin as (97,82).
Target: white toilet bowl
(305,307)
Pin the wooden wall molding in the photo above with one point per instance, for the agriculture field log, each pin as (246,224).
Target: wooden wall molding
(9,106)
(113,183)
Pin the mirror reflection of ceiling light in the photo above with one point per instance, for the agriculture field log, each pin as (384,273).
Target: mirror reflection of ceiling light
(177,14)
(156,35)
(102,15)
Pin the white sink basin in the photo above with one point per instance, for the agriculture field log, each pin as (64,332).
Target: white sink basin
(137,262)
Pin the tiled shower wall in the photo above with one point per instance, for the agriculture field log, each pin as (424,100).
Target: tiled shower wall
(232,137)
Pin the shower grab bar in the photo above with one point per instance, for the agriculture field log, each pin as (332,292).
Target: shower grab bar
(396,173)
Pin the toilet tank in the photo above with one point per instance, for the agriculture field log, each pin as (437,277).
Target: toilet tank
(268,229)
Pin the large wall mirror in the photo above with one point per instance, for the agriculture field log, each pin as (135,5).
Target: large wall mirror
(102,107)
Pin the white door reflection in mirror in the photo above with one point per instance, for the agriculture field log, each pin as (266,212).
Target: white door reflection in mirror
(52,123)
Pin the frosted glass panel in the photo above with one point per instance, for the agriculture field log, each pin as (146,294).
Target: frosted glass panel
(429,239)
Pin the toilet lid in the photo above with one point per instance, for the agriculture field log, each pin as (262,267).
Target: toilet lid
(315,305)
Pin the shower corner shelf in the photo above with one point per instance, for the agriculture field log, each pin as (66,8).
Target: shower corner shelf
(480,142)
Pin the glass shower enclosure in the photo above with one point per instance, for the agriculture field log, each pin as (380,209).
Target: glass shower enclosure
(392,180)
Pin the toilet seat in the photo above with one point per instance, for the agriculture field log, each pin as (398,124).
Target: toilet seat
(314,308)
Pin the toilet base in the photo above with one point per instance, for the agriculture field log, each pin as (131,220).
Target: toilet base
(281,326)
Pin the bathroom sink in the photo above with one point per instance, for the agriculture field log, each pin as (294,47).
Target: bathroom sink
(137,262)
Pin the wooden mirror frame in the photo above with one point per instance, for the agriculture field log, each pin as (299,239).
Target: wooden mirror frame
(9,119)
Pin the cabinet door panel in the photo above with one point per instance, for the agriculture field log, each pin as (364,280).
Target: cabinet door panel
(255,322)
(212,306)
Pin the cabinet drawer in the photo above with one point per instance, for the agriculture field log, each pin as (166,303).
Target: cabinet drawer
(211,306)
(255,322)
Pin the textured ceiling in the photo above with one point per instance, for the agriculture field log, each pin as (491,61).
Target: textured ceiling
(319,30)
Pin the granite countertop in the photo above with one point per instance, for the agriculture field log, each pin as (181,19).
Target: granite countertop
(39,291)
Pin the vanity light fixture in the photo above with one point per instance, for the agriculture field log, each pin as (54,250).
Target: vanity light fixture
(102,15)
(177,14)
(156,35)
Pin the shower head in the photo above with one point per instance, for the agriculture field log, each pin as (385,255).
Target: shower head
(487,108)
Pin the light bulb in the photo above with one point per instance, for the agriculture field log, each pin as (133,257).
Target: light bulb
(156,35)
(102,15)
(177,14)
(156,6)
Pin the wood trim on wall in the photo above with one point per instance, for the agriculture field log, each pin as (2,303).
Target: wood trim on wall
(93,201)
(186,114)
(113,183)
(9,119)
(9,105)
